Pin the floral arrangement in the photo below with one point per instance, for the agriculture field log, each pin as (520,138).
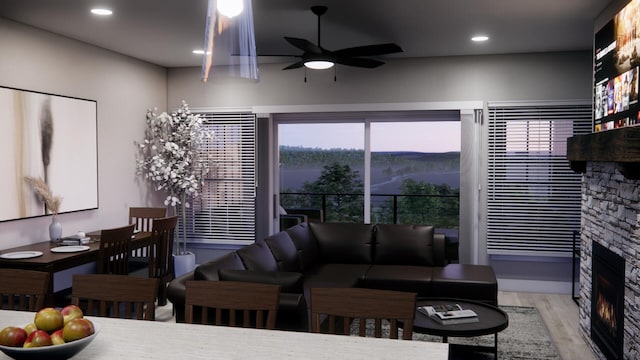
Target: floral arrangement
(170,157)
(41,188)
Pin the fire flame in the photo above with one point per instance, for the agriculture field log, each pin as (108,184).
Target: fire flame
(606,311)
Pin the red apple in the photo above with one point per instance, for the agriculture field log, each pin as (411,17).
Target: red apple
(12,336)
(38,338)
(71,312)
(77,329)
(56,337)
(49,320)
(30,327)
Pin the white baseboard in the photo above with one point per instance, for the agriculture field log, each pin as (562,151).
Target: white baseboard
(539,286)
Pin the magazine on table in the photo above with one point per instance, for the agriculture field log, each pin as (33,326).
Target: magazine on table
(449,314)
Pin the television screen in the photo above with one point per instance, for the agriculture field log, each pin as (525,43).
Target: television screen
(616,67)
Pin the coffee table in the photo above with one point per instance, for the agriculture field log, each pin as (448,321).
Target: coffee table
(491,320)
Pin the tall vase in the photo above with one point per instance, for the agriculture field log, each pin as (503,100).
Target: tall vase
(184,263)
(55,230)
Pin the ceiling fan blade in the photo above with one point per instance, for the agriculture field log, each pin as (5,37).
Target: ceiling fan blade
(359,62)
(369,50)
(295,65)
(304,45)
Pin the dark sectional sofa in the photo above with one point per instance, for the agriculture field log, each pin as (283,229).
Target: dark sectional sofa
(384,256)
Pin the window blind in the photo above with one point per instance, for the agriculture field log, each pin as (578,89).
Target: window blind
(534,198)
(225,211)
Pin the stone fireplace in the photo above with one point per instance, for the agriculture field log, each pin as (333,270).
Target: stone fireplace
(610,162)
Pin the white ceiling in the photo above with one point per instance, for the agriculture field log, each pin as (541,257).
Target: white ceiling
(164,32)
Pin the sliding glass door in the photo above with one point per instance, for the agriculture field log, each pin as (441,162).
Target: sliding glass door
(373,169)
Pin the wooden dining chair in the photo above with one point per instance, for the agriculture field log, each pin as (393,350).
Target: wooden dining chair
(340,306)
(23,289)
(115,250)
(232,303)
(143,218)
(160,254)
(118,296)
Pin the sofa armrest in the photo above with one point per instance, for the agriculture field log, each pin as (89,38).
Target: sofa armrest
(176,288)
(439,250)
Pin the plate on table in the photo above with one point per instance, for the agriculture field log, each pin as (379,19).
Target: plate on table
(21,255)
(69,249)
(53,352)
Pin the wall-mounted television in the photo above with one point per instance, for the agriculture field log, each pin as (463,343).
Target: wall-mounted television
(51,137)
(616,71)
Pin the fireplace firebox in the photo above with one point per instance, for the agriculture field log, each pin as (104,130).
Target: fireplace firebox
(607,301)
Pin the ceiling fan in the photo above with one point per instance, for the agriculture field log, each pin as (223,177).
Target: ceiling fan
(314,56)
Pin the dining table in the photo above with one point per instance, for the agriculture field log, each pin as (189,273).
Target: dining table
(141,339)
(52,257)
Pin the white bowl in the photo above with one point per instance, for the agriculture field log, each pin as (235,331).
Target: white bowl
(53,352)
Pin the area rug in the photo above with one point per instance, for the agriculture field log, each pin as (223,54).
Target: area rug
(527,337)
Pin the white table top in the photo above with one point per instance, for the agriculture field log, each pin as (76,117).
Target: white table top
(137,339)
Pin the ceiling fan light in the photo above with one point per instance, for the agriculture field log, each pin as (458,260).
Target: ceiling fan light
(318,64)
(230,8)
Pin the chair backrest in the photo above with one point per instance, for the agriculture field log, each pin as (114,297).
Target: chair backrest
(340,306)
(142,217)
(232,303)
(23,289)
(114,250)
(160,254)
(118,296)
(161,248)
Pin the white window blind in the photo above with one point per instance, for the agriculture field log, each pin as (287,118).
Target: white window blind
(534,198)
(225,211)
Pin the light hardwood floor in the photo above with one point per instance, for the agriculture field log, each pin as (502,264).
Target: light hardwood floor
(558,311)
(560,314)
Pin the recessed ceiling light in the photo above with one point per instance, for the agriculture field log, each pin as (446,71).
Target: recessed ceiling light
(198,52)
(101,11)
(480,38)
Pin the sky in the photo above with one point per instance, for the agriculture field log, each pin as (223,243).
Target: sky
(426,136)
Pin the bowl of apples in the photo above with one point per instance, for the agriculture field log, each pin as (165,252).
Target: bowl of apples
(53,335)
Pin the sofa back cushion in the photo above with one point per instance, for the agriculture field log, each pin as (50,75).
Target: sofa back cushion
(306,245)
(291,282)
(284,251)
(399,244)
(209,271)
(343,243)
(257,256)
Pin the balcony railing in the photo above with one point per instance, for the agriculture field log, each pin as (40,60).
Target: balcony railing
(438,210)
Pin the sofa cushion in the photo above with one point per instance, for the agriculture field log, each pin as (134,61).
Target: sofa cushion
(334,275)
(408,278)
(257,256)
(400,244)
(306,245)
(284,251)
(473,282)
(291,282)
(343,243)
(209,271)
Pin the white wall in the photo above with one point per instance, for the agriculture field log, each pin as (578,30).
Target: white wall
(124,88)
(544,76)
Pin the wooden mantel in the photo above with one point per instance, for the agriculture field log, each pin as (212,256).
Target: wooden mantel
(621,146)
